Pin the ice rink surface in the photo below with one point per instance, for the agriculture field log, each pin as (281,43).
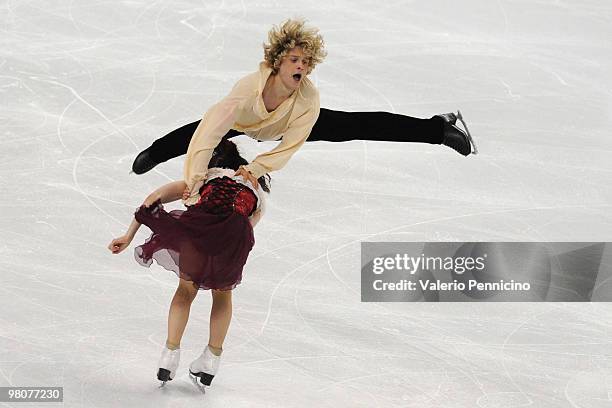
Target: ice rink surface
(85,85)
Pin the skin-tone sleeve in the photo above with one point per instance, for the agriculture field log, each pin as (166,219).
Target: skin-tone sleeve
(217,121)
(293,139)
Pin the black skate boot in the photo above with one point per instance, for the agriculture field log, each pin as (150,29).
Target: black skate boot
(455,138)
(143,162)
(447,117)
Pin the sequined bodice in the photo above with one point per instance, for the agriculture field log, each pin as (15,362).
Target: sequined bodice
(224,195)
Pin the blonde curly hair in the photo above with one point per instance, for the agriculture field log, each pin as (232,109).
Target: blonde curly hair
(293,33)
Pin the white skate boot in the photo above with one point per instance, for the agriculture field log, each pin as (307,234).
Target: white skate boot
(168,363)
(204,367)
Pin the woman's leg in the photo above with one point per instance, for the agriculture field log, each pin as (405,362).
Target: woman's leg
(179,312)
(338,126)
(220,317)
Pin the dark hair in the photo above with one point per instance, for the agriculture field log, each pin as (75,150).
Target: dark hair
(226,156)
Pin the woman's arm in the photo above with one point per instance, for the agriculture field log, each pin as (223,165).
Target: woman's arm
(254,219)
(166,193)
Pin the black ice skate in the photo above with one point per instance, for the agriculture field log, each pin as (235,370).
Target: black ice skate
(467,131)
(143,162)
(457,139)
(447,117)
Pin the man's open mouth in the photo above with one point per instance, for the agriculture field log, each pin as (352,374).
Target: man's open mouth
(297,77)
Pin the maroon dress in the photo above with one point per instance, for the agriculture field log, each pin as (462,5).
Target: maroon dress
(209,242)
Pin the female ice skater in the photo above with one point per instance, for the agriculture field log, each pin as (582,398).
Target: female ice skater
(206,246)
(280,102)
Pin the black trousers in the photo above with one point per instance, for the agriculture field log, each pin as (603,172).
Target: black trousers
(332,126)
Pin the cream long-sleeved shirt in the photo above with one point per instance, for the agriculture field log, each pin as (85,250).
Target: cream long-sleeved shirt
(244,110)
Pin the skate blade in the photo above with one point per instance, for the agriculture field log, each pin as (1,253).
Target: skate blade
(196,382)
(467,131)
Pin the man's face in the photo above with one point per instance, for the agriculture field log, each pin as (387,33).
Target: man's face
(293,68)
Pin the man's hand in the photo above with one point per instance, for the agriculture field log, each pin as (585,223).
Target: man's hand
(247,176)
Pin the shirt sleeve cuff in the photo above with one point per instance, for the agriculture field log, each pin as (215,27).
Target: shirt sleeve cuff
(256,169)
(195,193)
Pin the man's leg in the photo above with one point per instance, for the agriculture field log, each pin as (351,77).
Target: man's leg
(332,126)
(338,126)
(172,145)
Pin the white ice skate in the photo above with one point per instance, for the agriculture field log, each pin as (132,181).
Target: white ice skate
(204,367)
(168,363)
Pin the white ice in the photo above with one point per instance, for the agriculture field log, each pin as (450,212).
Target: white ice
(85,85)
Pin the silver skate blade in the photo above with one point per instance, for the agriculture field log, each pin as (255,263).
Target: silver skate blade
(161,385)
(197,383)
(467,131)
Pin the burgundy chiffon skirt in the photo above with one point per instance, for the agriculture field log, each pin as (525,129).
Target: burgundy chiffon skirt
(198,245)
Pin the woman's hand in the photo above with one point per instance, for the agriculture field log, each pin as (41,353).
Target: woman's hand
(119,244)
(186,193)
(247,176)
